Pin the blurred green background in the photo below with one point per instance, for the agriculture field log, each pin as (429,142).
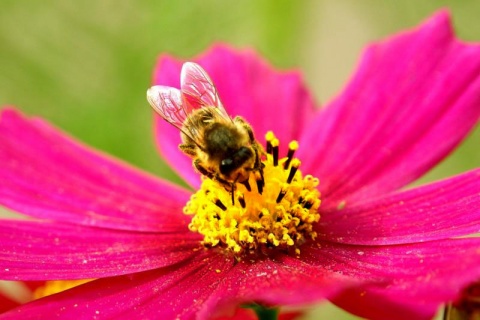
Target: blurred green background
(85,66)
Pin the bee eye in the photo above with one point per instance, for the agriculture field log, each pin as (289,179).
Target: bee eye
(226,166)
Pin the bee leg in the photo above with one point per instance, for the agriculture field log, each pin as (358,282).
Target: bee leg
(188,149)
(258,163)
(247,127)
(256,147)
(202,170)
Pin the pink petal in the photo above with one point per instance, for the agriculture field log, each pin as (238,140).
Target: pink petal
(283,280)
(46,174)
(47,251)
(373,305)
(412,100)
(207,285)
(440,210)
(169,293)
(427,274)
(6,304)
(248,87)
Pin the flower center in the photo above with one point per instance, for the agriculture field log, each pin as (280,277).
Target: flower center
(276,210)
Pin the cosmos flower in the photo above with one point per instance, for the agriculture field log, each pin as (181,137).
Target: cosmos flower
(378,250)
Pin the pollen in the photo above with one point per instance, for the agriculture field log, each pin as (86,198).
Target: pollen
(274,210)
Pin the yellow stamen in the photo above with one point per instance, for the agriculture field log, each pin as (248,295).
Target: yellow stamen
(273,210)
(292,147)
(56,286)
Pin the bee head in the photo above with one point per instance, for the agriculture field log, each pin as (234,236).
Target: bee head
(235,160)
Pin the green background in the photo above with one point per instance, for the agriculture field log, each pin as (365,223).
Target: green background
(85,66)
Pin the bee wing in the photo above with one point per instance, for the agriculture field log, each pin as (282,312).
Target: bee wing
(199,90)
(168,103)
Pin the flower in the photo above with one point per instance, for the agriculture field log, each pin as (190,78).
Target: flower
(380,251)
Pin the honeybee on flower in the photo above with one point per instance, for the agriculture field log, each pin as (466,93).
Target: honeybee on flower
(222,148)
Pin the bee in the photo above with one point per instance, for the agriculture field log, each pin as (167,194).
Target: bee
(221,148)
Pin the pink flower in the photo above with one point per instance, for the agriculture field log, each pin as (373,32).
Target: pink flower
(25,291)
(381,252)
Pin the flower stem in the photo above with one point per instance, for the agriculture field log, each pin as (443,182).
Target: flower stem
(263,312)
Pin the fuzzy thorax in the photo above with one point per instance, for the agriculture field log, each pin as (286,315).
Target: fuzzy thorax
(275,211)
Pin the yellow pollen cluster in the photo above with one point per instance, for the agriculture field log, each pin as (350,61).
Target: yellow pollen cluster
(273,210)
